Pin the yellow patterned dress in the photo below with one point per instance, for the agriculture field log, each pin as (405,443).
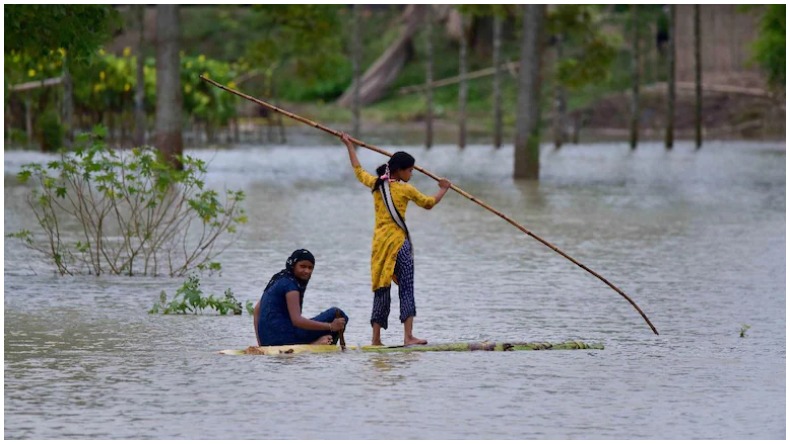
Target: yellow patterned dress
(388,237)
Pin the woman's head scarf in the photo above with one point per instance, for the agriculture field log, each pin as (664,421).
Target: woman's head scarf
(288,271)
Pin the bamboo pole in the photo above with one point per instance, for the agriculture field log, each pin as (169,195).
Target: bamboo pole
(436,178)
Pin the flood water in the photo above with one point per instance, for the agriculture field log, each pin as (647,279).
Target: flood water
(697,239)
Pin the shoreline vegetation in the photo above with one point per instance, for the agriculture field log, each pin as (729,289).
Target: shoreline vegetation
(593,95)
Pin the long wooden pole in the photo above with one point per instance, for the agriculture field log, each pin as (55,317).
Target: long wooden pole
(437,178)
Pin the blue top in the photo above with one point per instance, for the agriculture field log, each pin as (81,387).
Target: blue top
(274,320)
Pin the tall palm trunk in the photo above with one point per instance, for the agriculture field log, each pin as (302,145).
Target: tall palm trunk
(527,144)
(497,81)
(168,85)
(669,138)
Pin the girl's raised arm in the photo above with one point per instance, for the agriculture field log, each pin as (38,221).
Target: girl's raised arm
(352,152)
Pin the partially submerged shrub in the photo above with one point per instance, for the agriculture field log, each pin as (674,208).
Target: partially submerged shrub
(189,298)
(127,212)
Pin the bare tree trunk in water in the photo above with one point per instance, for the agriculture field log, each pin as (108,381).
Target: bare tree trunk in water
(463,88)
(634,78)
(169,139)
(139,89)
(429,79)
(497,81)
(527,145)
(669,139)
(698,77)
(356,61)
(560,105)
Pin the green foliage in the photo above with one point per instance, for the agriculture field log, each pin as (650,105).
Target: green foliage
(588,53)
(769,47)
(108,82)
(189,298)
(201,100)
(51,131)
(744,328)
(36,30)
(135,213)
(300,47)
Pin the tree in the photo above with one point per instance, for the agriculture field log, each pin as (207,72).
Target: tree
(584,54)
(76,30)
(769,47)
(527,144)
(139,90)
(463,88)
(304,41)
(429,78)
(356,62)
(697,78)
(670,130)
(168,137)
(635,65)
(497,81)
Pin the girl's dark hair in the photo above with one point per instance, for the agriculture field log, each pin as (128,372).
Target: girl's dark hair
(399,161)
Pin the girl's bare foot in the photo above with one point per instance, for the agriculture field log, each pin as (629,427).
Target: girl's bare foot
(414,341)
(377,344)
(323,340)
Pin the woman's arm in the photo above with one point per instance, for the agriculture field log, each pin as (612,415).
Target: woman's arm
(292,299)
(352,152)
(255,315)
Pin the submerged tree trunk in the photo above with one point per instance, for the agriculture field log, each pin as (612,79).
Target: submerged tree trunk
(356,62)
(560,105)
(527,144)
(168,85)
(429,80)
(464,85)
(497,81)
(669,138)
(697,78)
(139,89)
(634,138)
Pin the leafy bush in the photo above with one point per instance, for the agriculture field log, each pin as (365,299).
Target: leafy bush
(189,298)
(51,131)
(127,212)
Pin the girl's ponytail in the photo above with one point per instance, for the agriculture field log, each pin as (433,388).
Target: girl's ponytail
(381,171)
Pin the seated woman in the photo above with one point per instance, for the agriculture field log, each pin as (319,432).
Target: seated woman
(278,316)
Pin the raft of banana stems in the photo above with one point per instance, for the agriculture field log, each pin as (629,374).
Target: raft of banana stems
(454,347)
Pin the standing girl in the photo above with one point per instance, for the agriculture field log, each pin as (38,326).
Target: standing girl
(391,258)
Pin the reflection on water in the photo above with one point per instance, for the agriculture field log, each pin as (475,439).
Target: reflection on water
(695,238)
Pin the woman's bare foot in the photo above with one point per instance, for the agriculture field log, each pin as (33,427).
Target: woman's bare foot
(323,340)
(414,341)
(376,344)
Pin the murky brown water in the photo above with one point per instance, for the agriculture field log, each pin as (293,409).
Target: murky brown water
(697,239)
